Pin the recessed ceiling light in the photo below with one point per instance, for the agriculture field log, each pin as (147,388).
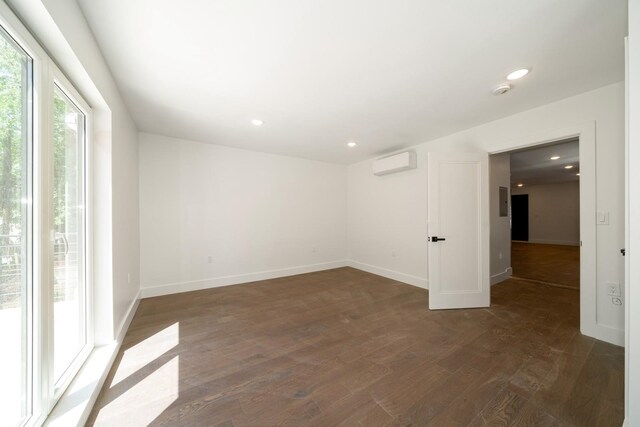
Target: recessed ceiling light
(554,157)
(578,174)
(517,74)
(257,122)
(520,185)
(569,167)
(351,144)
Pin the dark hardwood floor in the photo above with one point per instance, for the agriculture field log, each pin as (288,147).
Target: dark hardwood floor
(557,265)
(344,347)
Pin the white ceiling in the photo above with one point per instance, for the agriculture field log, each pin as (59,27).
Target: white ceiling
(534,166)
(386,74)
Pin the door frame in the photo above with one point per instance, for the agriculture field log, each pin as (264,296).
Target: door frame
(586,132)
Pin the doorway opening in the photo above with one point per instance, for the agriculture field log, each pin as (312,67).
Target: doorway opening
(545,218)
(542,242)
(520,217)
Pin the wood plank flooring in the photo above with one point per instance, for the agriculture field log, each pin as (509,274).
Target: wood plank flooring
(344,347)
(552,264)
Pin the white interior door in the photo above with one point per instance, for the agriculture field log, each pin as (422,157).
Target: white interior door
(458,230)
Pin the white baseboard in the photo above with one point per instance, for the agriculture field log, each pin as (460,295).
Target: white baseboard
(215,282)
(501,277)
(390,274)
(605,333)
(124,325)
(553,242)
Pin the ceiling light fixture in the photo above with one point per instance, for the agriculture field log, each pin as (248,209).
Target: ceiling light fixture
(554,157)
(257,122)
(351,144)
(518,74)
(569,167)
(520,185)
(501,90)
(578,174)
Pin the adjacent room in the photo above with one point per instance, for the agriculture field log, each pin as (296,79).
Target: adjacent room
(545,214)
(360,213)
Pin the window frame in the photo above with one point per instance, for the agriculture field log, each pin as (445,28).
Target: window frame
(45,75)
(37,367)
(67,89)
(28,268)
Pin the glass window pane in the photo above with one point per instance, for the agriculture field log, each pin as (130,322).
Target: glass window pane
(15,232)
(69,296)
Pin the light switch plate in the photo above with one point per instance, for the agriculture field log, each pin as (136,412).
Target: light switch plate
(602,218)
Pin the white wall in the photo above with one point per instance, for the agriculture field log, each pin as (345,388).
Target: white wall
(62,30)
(554,212)
(632,287)
(387,222)
(256,215)
(500,176)
(126,217)
(389,214)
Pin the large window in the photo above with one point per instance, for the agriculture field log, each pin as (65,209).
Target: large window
(16,236)
(69,292)
(45,327)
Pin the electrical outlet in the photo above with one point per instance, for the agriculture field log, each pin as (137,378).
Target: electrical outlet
(613,289)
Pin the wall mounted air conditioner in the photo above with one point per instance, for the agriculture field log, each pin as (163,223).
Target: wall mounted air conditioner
(395,163)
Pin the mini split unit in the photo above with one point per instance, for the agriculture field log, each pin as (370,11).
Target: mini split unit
(395,163)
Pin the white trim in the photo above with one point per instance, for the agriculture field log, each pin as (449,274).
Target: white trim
(215,282)
(390,274)
(627,236)
(501,277)
(552,242)
(75,405)
(608,333)
(124,325)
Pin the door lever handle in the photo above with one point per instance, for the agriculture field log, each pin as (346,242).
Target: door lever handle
(437,239)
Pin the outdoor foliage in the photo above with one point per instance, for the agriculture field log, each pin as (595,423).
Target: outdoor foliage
(13,76)
(13,69)
(14,80)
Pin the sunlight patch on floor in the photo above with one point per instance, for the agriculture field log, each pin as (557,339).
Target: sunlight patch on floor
(165,385)
(147,351)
